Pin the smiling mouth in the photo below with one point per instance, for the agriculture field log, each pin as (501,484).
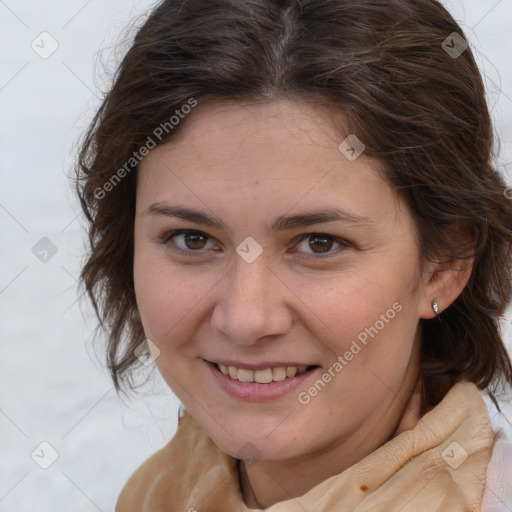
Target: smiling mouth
(264,376)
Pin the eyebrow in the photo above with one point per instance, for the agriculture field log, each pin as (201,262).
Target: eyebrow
(281,223)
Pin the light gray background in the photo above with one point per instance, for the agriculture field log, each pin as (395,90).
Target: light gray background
(53,386)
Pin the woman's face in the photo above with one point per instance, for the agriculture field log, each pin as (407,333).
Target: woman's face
(286,253)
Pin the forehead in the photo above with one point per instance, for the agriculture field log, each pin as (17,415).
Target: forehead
(281,153)
(272,135)
(281,116)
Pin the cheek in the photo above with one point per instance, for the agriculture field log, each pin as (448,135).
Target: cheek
(166,297)
(368,314)
(367,329)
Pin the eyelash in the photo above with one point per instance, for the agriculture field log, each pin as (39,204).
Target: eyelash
(171,234)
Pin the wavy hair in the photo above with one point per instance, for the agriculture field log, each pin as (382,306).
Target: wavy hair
(386,64)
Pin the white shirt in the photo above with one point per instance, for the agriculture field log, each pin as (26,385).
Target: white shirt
(498,483)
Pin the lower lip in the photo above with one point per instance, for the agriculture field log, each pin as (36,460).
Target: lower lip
(255,392)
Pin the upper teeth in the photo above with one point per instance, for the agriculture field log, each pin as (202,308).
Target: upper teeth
(262,376)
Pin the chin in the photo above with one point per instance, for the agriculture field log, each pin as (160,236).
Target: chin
(251,444)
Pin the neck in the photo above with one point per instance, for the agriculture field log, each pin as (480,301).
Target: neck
(268,482)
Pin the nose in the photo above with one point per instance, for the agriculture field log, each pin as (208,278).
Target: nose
(251,303)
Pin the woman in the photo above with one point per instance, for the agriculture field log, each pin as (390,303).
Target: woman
(295,202)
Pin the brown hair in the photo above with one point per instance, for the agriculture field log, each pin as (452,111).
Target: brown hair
(418,108)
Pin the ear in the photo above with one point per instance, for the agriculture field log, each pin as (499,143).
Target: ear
(445,279)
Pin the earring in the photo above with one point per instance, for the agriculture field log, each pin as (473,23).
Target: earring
(435,306)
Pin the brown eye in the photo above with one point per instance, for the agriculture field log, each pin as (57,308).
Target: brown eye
(322,243)
(195,240)
(187,241)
